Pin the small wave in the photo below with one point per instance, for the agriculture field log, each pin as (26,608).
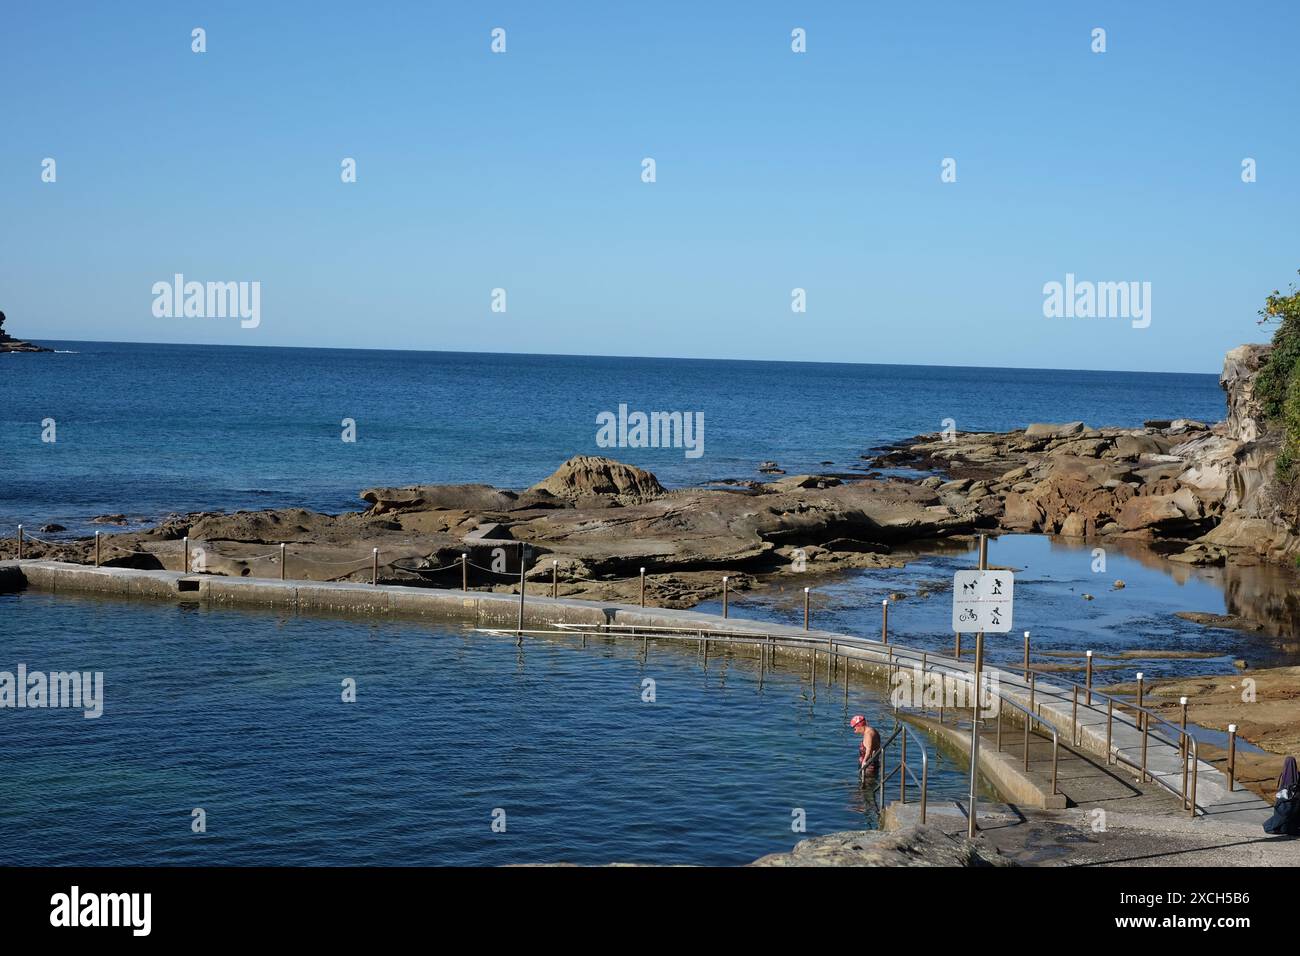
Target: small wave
(65,352)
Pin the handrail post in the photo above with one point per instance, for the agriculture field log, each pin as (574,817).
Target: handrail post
(1026,655)
(957,650)
(891,672)
(846,678)
(1232,757)
(884,621)
(1142,725)
(1027,722)
(96,549)
(187,554)
(805,608)
(1074,715)
(464,571)
(1056,752)
(999,728)
(902,770)
(555,578)
(1195,772)
(1089,679)
(1110,721)
(1182,749)
(1182,740)
(925,779)
(831,661)
(922,691)
(880,770)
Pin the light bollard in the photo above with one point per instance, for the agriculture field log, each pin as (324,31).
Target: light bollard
(884,621)
(643,587)
(374,567)
(96,549)
(20,542)
(805,608)
(555,578)
(187,554)
(957,650)
(283,564)
(464,571)
(724,595)
(1026,655)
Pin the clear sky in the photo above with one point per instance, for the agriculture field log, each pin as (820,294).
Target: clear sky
(775,170)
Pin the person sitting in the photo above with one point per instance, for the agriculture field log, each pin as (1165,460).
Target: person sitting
(1286,807)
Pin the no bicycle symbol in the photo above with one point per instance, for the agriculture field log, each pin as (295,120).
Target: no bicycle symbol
(981,601)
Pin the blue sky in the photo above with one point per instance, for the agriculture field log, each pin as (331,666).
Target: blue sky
(775,170)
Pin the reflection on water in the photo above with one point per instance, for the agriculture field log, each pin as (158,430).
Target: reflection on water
(1068,601)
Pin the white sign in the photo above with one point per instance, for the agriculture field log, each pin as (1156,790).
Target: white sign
(981,601)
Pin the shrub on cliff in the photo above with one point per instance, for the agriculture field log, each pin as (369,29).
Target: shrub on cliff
(1278,385)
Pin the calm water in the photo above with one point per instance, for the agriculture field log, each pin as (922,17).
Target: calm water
(1052,577)
(150,429)
(241,714)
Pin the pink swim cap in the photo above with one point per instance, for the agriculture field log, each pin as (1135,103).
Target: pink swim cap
(857,721)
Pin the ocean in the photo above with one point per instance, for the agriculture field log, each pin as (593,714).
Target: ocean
(146,430)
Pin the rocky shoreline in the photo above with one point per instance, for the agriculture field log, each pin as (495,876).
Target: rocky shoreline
(1194,493)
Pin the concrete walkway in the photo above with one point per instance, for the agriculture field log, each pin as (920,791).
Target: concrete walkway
(1079,837)
(1087,773)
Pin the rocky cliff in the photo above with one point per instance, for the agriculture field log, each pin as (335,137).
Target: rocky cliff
(1200,493)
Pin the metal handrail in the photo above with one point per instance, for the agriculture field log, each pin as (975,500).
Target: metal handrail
(1186,742)
(1030,717)
(904,769)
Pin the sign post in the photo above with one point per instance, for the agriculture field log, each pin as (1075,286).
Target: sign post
(981,601)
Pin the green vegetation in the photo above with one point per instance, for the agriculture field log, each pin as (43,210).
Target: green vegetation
(1278,385)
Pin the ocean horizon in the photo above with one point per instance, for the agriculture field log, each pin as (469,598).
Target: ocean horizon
(148,430)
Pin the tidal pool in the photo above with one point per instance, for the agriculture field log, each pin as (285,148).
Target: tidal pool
(240,715)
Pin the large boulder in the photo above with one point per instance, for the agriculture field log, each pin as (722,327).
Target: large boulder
(1047,430)
(585,475)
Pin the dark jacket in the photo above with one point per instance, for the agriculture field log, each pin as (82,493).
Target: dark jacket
(1286,810)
